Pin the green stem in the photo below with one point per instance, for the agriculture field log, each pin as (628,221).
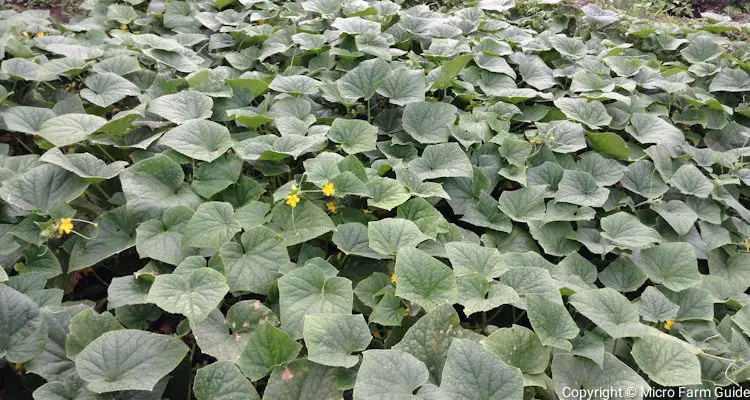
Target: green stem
(106,153)
(190,374)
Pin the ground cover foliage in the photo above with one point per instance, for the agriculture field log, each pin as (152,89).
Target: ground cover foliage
(329,198)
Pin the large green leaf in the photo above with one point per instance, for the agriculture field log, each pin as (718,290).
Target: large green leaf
(199,139)
(666,361)
(429,122)
(308,290)
(551,322)
(471,372)
(107,88)
(355,136)
(254,263)
(193,294)
(24,332)
(156,184)
(302,223)
(519,347)
(609,310)
(331,338)
(267,348)
(673,265)
(389,235)
(389,374)
(569,371)
(423,279)
(68,129)
(212,225)
(128,359)
(182,107)
(41,187)
(626,230)
(442,161)
(223,381)
(592,114)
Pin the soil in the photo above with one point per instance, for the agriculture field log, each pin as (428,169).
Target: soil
(61,10)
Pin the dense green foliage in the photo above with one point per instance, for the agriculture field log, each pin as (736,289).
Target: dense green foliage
(301,200)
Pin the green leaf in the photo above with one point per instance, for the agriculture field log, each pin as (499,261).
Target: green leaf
(39,188)
(592,114)
(666,361)
(690,180)
(307,290)
(551,322)
(106,88)
(654,306)
(87,326)
(649,128)
(442,161)
(702,48)
(467,258)
(156,184)
(26,119)
(194,294)
(389,235)
(302,223)
(295,84)
(302,380)
(609,143)
(471,372)
(160,239)
(267,348)
(24,332)
(223,381)
(679,216)
(519,347)
(389,375)
(386,193)
(441,326)
(730,80)
(403,86)
(485,212)
(331,338)
(609,310)
(68,129)
(128,359)
(536,73)
(353,238)
(562,136)
(355,136)
(429,122)
(524,204)
(569,371)
(673,265)
(85,165)
(449,71)
(182,107)
(212,225)
(580,188)
(423,279)
(199,139)
(476,293)
(364,79)
(626,230)
(253,264)
(641,177)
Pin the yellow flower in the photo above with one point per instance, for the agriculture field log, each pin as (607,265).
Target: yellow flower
(124,27)
(41,34)
(331,207)
(64,226)
(25,34)
(292,200)
(746,243)
(393,278)
(328,189)
(668,324)
(261,22)
(366,211)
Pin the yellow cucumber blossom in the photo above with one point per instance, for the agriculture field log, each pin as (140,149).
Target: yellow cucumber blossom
(64,226)
(124,27)
(668,324)
(331,207)
(328,189)
(41,34)
(293,200)
(393,278)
